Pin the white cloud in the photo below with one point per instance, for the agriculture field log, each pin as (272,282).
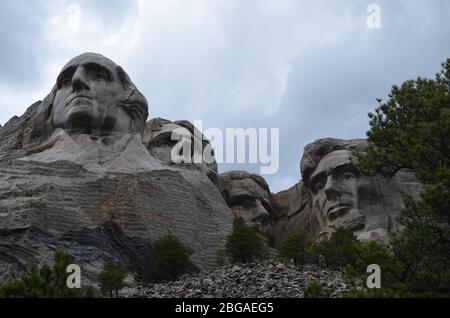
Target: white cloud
(203,55)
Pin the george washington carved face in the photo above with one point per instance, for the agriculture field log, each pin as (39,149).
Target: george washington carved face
(93,94)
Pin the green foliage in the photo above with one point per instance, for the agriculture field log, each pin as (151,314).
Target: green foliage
(342,251)
(421,253)
(324,252)
(314,255)
(376,293)
(344,248)
(371,253)
(391,292)
(412,131)
(315,290)
(352,276)
(296,247)
(338,250)
(46,282)
(244,245)
(112,278)
(171,259)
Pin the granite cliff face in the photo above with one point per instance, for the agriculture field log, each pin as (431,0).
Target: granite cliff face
(88,185)
(83,171)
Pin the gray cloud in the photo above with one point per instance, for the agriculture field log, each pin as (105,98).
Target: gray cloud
(19,27)
(311,68)
(332,89)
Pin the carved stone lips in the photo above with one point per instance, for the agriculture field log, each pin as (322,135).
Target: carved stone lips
(337,209)
(78,96)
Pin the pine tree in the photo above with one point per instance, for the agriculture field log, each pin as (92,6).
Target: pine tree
(344,248)
(171,259)
(46,282)
(315,290)
(244,245)
(412,131)
(112,278)
(296,248)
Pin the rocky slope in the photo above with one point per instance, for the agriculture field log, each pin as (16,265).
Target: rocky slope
(258,280)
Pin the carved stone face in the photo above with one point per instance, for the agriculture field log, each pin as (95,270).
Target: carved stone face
(161,143)
(87,96)
(248,200)
(160,140)
(339,194)
(335,186)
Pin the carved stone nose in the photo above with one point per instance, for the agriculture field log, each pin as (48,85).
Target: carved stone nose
(260,214)
(331,190)
(80,80)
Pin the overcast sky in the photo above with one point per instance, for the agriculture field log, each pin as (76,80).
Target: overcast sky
(311,68)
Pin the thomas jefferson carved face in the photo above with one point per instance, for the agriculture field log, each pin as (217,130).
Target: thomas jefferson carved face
(88,96)
(335,185)
(160,140)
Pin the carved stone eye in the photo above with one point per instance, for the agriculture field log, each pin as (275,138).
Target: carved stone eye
(318,186)
(267,207)
(99,76)
(248,202)
(66,82)
(165,143)
(348,176)
(243,201)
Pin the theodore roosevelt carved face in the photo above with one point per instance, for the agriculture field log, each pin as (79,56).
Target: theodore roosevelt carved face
(249,197)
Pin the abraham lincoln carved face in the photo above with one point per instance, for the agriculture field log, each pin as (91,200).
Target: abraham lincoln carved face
(340,192)
(334,185)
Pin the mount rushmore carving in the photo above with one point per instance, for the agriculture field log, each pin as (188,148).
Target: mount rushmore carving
(84,171)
